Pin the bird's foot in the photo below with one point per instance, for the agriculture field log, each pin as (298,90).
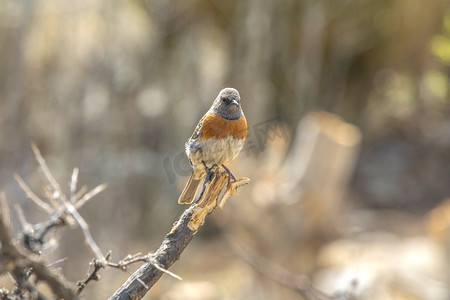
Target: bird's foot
(211,169)
(230,175)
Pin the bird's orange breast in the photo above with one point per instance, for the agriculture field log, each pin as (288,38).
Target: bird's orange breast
(214,126)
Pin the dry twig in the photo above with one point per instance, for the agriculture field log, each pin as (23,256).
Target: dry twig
(96,265)
(68,207)
(93,275)
(32,195)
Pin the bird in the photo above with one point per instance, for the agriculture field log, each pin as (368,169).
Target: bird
(217,139)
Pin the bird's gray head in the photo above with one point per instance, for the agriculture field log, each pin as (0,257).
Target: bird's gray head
(228,104)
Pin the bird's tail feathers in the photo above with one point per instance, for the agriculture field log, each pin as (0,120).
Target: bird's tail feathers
(188,194)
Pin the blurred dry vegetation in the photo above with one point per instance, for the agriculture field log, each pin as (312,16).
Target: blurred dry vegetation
(348,147)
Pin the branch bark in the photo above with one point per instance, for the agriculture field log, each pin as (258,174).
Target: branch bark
(213,194)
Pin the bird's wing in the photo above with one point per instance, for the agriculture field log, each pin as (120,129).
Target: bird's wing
(198,128)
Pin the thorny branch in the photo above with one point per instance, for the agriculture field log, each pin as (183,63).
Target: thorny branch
(62,211)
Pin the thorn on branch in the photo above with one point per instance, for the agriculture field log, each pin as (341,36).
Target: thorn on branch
(92,275)
(90,195)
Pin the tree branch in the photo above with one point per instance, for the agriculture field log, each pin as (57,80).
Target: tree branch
(20,259)
(179,237)
(14,260)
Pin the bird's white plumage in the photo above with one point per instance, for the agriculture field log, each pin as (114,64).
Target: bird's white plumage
(218,151)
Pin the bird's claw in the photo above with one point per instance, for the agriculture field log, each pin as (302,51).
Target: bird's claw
(211,169)
(230,175)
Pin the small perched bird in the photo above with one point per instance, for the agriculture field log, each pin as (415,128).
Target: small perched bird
(217,140)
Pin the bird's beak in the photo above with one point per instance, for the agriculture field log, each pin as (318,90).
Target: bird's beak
(234,102)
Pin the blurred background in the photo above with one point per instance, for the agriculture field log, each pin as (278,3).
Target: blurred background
(348,147)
